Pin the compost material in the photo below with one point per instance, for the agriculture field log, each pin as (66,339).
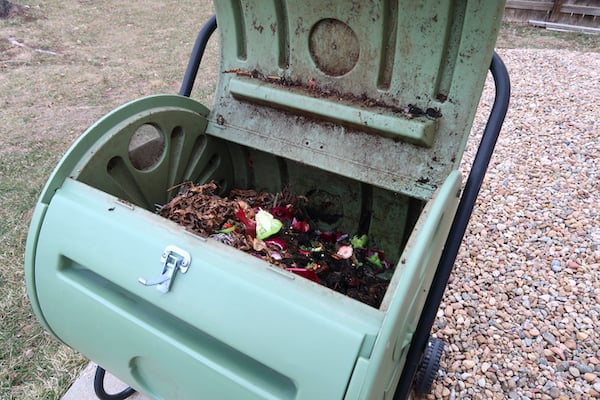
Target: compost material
(278,229)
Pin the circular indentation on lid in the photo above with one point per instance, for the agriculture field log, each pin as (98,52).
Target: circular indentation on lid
(333,46)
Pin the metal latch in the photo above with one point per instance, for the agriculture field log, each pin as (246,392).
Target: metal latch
(173,258)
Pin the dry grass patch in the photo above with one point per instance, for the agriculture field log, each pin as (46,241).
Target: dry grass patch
(524,36)
(64,64)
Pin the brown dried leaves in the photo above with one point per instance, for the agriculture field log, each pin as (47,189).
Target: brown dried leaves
(199,209)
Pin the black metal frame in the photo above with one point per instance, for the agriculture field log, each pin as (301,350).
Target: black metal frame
(455,236)
(459,226)
(197,52)
(101,391)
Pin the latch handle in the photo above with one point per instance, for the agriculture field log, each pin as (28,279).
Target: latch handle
(156,281)
(173,259)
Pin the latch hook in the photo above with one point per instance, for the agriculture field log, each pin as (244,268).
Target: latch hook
(173,258)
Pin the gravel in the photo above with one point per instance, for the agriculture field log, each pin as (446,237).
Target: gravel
(520,317)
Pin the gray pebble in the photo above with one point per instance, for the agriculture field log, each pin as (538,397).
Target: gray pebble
(584,368)
(549,337)
(549,385)
(563,366)
(554,392)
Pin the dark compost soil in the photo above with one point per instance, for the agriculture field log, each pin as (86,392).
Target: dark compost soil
(246,220)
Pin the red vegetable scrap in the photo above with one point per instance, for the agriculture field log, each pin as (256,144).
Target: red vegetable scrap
(337,260)
(300,226)
(276,243)
(245,214)
(283,212)
(330,237)
(305,273)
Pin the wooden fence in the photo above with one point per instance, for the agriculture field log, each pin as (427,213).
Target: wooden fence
(574,13)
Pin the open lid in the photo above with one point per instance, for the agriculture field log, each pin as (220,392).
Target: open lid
(383,92)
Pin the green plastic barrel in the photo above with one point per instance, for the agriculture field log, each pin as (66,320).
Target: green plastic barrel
(369,105)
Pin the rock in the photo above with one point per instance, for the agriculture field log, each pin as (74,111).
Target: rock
(570,344)
(527,274)
(554,392)
(449,311)
(549,337)
(574,371)
(514,395)
(581,335)
(572,265)
(556,266)
(584,368)
(563,366)
(559,352)
(534,332)
(485,367)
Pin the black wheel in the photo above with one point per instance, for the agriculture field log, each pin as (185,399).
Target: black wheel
(428,368)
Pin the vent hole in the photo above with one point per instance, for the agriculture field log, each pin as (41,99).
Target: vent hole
(146,147)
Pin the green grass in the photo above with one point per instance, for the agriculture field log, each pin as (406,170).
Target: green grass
(106,54)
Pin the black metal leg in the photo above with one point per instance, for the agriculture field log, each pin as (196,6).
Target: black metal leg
(459,226)
(197,53)
(101,392)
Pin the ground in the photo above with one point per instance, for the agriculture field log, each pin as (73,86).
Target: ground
(63,64)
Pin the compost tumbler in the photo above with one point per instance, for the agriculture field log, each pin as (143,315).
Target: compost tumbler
(363,107)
